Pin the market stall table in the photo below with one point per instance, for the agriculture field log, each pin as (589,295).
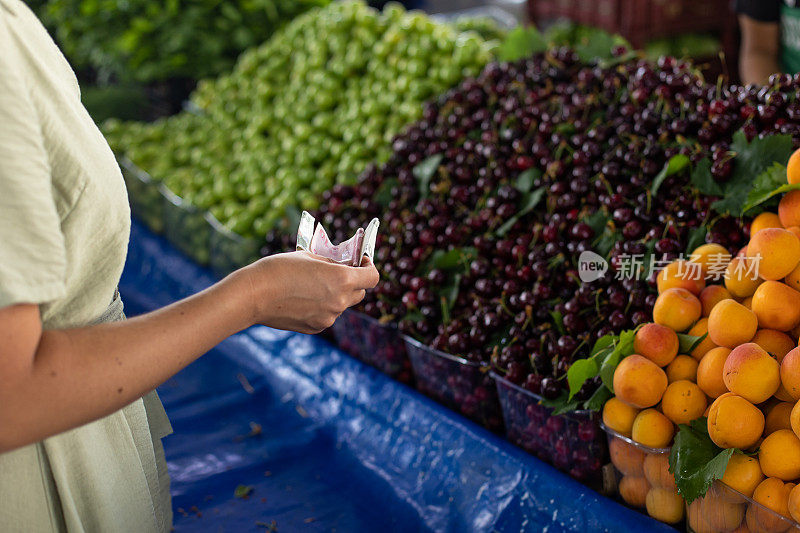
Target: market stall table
(317,441)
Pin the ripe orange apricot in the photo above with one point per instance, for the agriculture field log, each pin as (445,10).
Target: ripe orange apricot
(779,416)
(731,324)
(710,372)
(626,457)
(639,382)
(700,329)
(773,494)
(789,209)
(777,306)
(779,455)
(651,428)
(677,309)
(656,471)
(794,419)
(741,277)
(719,513)
(712,258)
(792,279)
(665,505)
(682,367)
(790,373)
(743,473)
(619,416)
(733,422)
(751,373)
(697,522)
(763,221)
(793,168)
(634,490)
(774,342)
(682,274)
(656,342)
(794,503)
(711,296)
(683,401)
(779,252)
(783,395)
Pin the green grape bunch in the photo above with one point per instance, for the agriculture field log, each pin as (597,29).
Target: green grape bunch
(308,109)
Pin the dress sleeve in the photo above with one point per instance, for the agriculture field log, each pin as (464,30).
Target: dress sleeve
(32,249)
(760,10)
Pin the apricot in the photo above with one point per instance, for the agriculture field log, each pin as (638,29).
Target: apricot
(656,342)
(779,416)
(794,503)
(794,419)
(775,342)
(677,309)
(681,274)
(634,490)
(795,230)
(748,302)
(626,457)
(792,279)
(698,330)
(656,471)
(697,522)
(789,209)
(793,168)
(710,372)
(651,428)
(763,221)
(618,415)
(682,367)
(683,401)
(731,324)
(733,422)
(711,296)
(779,252)
(790,373)
(773,494)
(743,474)
(712,258)
(741,277)
(779,455)
(665,505)
(639,382)
(777,306)
(719,513)
(783,395)
(751,373)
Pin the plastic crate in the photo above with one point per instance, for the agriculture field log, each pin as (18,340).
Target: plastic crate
(572,442)
(636,470)
(639,20)
(144,194)
(376,344)
(228,250)
(464,386)
(725,509)
(186,227)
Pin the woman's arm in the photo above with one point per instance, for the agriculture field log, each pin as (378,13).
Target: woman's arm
(758,57)
(52,381)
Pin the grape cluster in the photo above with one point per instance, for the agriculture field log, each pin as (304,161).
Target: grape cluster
(310,107)
(600,135)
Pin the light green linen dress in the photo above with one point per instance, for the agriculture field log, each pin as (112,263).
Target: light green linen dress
(64,226)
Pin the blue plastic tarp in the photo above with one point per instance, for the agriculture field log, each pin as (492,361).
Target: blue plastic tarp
(329,444)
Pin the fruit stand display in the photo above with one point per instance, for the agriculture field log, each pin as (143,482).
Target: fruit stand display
(499,171)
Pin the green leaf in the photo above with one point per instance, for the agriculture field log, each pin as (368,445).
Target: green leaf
(598,399)
(606,241)
(525,180)
(702,179)
(529,201)
(602,343)
(696,237)
(558,320)
(596,44)
(695,460)
(675,164)
(769,183)
(521,42)
(243,491)
(450,259)
(579,372)
(424,171)
(687,343)
(451,291)
(384,193)
(751,160)
(597,221)
(560,405)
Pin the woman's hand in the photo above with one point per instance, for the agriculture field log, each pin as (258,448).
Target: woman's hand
(303,292)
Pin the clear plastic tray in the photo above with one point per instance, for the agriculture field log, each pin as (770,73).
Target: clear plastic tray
(145,195)
(572,442)
(186,227)
(229,250)
(464,386)
(374,343)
